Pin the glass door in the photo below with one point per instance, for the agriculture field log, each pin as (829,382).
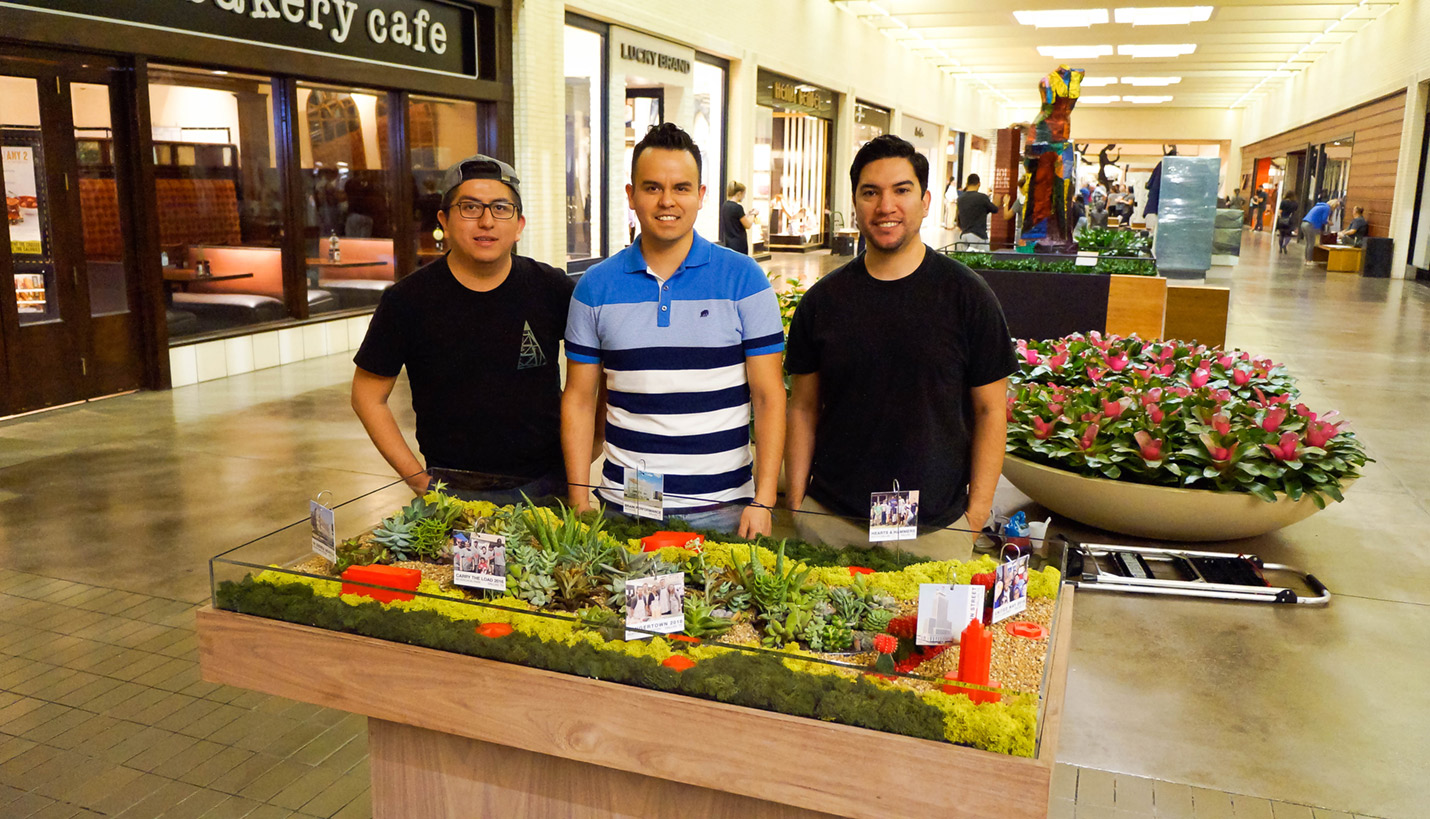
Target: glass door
(69,299)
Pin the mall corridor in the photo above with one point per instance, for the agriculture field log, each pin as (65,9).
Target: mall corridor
(109,512)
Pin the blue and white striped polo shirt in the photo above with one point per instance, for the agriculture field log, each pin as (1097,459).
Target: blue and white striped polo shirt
(674,356)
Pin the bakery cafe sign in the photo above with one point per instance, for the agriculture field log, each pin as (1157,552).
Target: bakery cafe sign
(428,34)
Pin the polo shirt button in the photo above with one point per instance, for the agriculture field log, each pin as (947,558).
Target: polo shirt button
(663,308)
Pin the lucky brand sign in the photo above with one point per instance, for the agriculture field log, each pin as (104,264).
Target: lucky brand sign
(429,34)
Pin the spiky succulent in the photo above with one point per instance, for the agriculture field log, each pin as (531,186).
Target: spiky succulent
(847,604)
(575,588)
(700,621)
(609,624)
(625,565)
(782,585)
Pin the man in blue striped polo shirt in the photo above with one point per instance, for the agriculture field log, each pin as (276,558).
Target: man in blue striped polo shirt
(688,337)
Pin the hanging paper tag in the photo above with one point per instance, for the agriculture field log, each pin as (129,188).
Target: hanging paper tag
(479,561)
(655,604)
(644,494)
(1087,258)
(1010,588)
(325,539)
(945,610)
(893,516)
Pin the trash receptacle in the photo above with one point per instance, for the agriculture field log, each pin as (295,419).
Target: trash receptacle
(1379,256)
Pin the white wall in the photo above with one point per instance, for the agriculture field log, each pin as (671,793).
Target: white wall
(810,40)
(1388,55)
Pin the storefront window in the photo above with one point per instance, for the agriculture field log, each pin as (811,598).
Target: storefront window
(708,131)
(585,54)
(869,121)
(441,132)
(26,201)
(796,118)
(220,204)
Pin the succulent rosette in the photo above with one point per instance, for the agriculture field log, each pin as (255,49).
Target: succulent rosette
(1171,413)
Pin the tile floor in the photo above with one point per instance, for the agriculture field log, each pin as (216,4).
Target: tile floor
(1176,709)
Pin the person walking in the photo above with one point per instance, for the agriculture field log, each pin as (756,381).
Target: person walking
(973,209)
(1286,220)
(1258,208)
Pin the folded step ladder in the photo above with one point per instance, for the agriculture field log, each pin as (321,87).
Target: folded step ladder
(1183,573)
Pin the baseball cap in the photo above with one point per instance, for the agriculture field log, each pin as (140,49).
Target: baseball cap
(479,166)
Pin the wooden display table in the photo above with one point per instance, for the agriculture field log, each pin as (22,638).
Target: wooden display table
(1342,258)
(458,736)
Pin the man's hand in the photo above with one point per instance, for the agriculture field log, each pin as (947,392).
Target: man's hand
(582,504)
(978,515)
(756,520)
(419,483)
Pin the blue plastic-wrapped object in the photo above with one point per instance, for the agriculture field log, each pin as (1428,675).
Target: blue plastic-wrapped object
(1186,216)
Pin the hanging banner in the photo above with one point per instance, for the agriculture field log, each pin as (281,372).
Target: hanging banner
(22,199)
(426,34)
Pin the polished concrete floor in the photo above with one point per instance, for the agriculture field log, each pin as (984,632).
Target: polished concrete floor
(109,511)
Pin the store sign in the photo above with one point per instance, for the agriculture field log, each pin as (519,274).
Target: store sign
(774,90)
(646,56)
(427,34)
(918,131)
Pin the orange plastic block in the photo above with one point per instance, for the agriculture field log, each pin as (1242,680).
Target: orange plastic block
(397,582)
(679,662)
(494,629)
(680,540)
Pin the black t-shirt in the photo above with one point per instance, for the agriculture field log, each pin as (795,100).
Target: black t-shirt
(732,233)
(484,367)
(896,362)
(1359,229)
(974,208)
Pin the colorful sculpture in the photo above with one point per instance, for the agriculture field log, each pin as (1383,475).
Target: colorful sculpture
(1050,165)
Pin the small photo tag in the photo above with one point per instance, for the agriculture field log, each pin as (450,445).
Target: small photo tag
(479,561)
(644,495)
(655,604)
(945,610)
(1010,589)
(893,516)
(325,539)
(1087,258)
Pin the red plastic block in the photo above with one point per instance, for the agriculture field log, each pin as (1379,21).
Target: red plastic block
(397,582)
(680,540)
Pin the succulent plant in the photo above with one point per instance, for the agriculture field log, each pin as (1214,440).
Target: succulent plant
(533,587)
(779,586)
(575,588)
(573,542)
(788,629)
(700,620)
(358,552)
(848,604)
(625,565)
(609,624)
(876,620)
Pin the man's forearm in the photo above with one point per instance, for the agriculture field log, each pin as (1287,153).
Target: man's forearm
(578,424)
(381,426)
(990,436)
(769,448)
(802,420)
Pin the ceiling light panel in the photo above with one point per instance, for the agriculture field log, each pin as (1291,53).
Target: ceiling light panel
(1149,81)
(1156,50)
(1094,99)
(1141,100)
(1075,52)
(1163,16)
(1062,18)
(1098,82)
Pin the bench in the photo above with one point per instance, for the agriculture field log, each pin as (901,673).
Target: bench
(1342,258)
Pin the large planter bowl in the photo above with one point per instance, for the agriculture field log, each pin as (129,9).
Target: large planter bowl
(1160,512)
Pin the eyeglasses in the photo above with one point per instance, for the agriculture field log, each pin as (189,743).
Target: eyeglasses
(472,209)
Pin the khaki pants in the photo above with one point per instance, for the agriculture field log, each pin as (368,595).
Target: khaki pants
(819,525)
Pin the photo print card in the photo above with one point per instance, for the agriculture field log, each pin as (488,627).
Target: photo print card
(479,561)
(655,604)
(945,610)
(1010,589)
(644,495)
(321,520)
(893,516)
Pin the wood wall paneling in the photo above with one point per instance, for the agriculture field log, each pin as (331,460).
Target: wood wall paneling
(1136,304)
(1378,128)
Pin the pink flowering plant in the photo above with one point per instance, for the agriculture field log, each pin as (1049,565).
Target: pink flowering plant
(1175,414)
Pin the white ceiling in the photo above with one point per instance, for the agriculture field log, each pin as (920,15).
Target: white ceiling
(1240,49)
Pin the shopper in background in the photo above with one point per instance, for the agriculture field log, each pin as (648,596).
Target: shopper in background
(973,209)
(899,363)
(1313,223)
(478,332)
(1258,208)
(1358,231)
(1286,220)
(1237,201)
(688,337)
(734,221)
(1078,214)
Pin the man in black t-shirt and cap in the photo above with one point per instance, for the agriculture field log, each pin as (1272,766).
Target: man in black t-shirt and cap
(478,332)
(972,209)
(899,363)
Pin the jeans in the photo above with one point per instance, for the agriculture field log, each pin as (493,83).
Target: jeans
(552,483)
(1310,236)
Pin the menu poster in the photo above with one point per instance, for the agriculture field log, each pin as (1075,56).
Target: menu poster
(30,292)
(23,198)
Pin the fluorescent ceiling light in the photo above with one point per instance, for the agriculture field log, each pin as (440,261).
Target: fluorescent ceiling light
(1146,100)
(1164,16)
(1062,18)
(1098,82)
(1075,52)
(1159,50)
(1149,81)
(1097,100)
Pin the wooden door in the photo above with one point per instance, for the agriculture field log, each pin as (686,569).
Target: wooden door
(69,295)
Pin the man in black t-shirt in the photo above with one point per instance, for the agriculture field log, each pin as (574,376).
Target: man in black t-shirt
(899,363)
(478,332)
(733,220)
(972,209)
(1359,229)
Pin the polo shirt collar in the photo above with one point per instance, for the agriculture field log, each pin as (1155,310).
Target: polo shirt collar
(699,255)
